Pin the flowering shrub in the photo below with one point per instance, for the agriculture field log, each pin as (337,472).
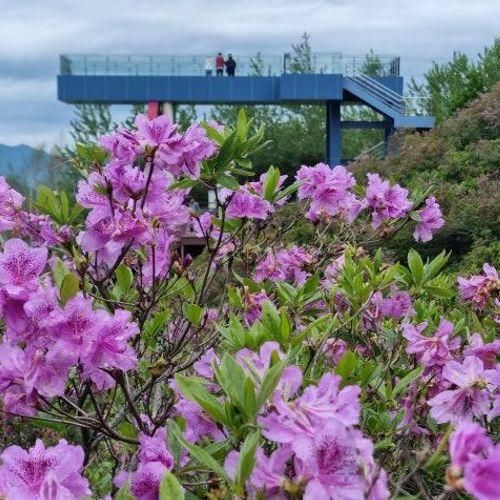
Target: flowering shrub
(261,369)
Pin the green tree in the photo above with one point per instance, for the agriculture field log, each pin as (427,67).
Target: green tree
(450,86)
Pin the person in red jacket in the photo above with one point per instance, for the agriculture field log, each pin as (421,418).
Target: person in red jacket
(219,64)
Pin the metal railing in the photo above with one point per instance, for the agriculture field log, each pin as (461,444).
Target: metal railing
(392,99)
(263,65)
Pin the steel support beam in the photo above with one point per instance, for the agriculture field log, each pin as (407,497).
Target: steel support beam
(333,133)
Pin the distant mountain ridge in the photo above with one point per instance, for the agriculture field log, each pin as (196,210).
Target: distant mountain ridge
(24,162)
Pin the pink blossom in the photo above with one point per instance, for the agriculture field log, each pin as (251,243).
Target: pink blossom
(109,349)
(317,404)
(204,366)
(329,191)
(122,144)
(338,463)
(387,202)
(468,440)
(482,476)
(30,475)
(10,202)
(469,398)
(253,306)
(431,351)
(20,267)
(479,289)
(334,349)
(487,353)
(244,204)
(158,131)
(430,220)
(154,449)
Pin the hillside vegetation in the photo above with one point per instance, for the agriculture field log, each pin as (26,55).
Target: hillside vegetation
(460,158)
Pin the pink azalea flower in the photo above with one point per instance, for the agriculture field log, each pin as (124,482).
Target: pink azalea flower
(244,204)
(317,404)
(431,219)
(338,463)
(30,475)
(122,145)
(155,132)
(204,366)
(431,351)
(334,349)
(269,473)
(487,353)
(253,306)
(329,191)
(20,267)
(154,449)
(109,349)
(10,202)
(387,202)
(468,440)
(479,289)
(469,398)
(482,476)
(254,363)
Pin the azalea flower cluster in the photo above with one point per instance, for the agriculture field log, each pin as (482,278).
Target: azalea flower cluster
(43,338)
(43,473)
(130,202)
(154,460)
(318,449)
(175,368)
(465,382)
(475,462)
(481,289)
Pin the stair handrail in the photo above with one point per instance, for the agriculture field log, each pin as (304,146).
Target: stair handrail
(379,147)
(396,105)
(382,87)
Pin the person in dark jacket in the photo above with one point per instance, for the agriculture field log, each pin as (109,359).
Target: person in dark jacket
(230,65)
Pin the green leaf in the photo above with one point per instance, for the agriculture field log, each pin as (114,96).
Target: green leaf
(170,488)
(416,266)
(193,313)
(199,453)
(406,381)
(124,277)
(269,383)
(242,124)
(183,184)
(59,270)
(346,365)
(271,183)
(127,429)
(246,460)
(271,320)
(435,265)
(193,390)
(70,286)
(228,182)
(124,493)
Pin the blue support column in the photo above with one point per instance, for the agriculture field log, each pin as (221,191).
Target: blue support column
(333,133)
(388,131)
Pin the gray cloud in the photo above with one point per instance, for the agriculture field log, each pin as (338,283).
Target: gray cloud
(34,32)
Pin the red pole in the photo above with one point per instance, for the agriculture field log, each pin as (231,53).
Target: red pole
(153,109)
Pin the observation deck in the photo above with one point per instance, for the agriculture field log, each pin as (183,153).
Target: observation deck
(165,81)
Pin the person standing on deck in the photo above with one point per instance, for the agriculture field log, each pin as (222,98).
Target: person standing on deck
(209,66)
(230,65)
(219,64)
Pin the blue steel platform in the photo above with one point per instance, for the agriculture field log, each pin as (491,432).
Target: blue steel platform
(79,83)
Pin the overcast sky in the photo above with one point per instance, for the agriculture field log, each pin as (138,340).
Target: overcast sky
(34,32)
